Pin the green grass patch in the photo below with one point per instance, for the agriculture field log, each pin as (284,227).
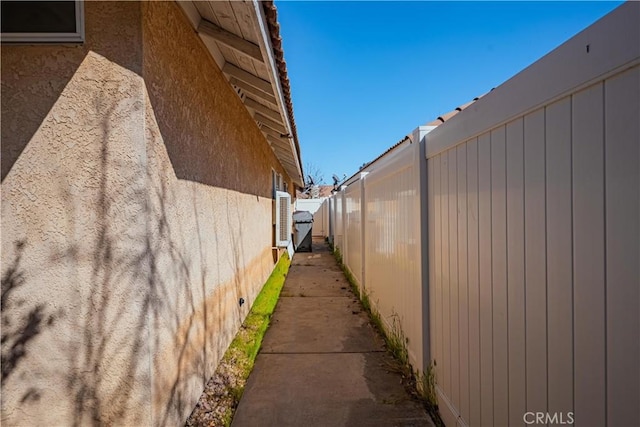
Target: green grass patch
(245,346)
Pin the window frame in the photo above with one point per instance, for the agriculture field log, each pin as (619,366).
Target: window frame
(37,38)
(277,183)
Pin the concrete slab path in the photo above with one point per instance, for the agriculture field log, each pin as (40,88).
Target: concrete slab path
(322,363)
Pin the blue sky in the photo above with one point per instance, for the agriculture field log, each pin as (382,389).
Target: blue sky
(366,73)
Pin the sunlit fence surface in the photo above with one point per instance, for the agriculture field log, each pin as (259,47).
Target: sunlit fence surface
(505,242)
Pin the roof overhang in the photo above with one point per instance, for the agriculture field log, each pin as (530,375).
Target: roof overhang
(243,38)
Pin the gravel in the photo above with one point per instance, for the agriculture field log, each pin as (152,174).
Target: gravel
(220,396)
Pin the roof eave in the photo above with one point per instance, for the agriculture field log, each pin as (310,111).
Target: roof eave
(271,45)
(273,112)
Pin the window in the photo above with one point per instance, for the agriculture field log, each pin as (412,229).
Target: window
(42,21)
(277,183)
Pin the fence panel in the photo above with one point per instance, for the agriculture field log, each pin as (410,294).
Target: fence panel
(589,254)
(393,271)
(534,241)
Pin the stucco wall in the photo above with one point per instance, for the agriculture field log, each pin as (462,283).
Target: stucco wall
(34,76)
(136,211)
(208,141)
(210,246)
(229,151)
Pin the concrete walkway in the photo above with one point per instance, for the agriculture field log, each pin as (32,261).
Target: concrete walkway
(321,362)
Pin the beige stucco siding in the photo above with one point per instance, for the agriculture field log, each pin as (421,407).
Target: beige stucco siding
(34,76)
(209,135)
(136,211)
(210,247)
(74,225)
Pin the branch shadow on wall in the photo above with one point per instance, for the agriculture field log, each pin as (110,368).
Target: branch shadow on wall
(136,294)
(202,336)
(18,328)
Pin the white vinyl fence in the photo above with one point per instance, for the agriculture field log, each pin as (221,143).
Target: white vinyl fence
(534,231)
(320,210)
(382,247)
(531,298)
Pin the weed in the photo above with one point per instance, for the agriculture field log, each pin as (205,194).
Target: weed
(338,255)
(396,341)
(427,389)
(427,385)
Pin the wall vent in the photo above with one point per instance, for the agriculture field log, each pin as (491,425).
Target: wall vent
(240,92)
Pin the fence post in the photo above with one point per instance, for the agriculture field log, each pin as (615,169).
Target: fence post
(420,160)
(363,229)
(343,221)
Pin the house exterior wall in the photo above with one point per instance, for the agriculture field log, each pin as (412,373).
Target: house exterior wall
(33,77)
(186,87)
(136,211)
(534,226)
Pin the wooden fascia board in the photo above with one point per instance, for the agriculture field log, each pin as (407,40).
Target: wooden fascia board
(270,123)
(231,40)
(248,78)
(259,108)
